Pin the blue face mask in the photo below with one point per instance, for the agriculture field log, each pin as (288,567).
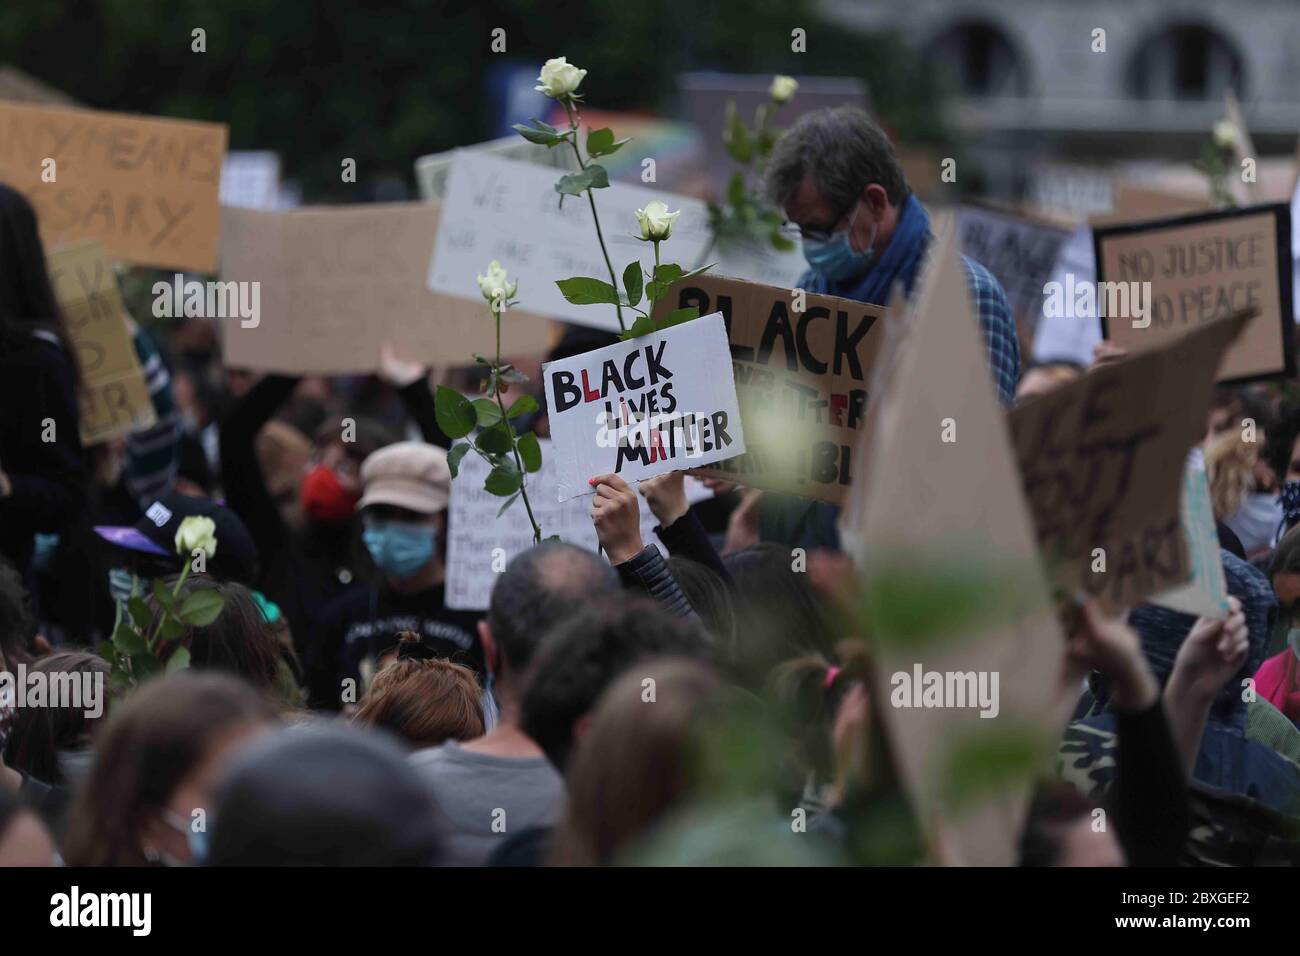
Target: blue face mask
(195,839)
(399,549)
(835,259)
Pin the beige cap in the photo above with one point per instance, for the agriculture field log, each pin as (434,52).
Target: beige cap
(407,474)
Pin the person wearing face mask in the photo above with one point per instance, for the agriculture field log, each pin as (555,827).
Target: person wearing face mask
(846,200)
(835,175)
(304,517)
(50,746)
(405,491)
(147,796)
(1282,453)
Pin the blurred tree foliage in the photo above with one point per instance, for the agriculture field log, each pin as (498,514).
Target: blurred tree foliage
(387,81)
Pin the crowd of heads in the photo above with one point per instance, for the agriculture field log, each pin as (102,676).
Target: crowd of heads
(720,704)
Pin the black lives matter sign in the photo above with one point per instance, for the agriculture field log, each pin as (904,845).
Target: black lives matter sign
(802,365)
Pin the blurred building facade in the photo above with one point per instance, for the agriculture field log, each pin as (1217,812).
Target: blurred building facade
(1033,94)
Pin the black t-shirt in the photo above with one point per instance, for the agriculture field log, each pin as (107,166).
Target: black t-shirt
(364,622)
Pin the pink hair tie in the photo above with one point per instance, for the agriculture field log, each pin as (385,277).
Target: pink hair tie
(831,674)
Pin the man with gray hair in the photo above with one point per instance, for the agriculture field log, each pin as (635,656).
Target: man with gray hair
(500,784)
(835,175)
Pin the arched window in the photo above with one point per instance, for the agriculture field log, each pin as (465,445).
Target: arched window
(982,59)
(1185,61)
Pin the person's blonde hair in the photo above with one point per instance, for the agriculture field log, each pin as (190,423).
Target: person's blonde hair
(1230,467)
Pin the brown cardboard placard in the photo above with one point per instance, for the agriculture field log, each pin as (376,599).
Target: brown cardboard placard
(941,494)
(337,282)
(114,397)
(146,187)
(1102,461)
(1201,267)
(803,379)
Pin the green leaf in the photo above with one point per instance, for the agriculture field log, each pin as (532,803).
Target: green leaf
(454,412)
(505,507)
(503,480)
(171,629)
(494,440)
(455,455)
(665,275)
(487,412)
(678,316)
(574,184)
(179,660)
(736,137)
(736,189)
(163,596)
(523,405)
(582,290)
(127,640)
(780,241)
(695,272)
(632,282)
(201,608)
(642,326)
(139,613)
(543,134)
(144,664)
(107,651)
(601,142)
(530,452)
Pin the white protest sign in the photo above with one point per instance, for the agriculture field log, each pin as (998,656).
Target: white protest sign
(250,179)
(480,544)
(509,211)
(1206,594)
(431,171)
(653,404)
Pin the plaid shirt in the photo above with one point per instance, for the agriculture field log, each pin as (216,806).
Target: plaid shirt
(998,326)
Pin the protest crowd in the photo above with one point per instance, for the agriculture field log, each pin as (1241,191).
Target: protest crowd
(237,633)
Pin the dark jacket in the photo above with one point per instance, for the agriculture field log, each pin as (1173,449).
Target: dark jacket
(648,571)
(38,382)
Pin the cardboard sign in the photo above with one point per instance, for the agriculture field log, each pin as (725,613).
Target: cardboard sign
(1206,594)
(1102,462)
(1202,267)
(509,211)
(949,513)
(654,404)
(802,380)
(480,543)
(114,397)
(337,282)
(145,187)
(1020,252)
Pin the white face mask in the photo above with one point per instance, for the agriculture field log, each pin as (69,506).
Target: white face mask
(1257,520)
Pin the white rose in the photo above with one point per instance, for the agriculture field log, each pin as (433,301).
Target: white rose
(496,285)
(197,532)
(1225,135)
(559,78)
(656,221)
(783,88)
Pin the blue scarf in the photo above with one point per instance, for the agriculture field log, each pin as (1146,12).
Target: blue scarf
(900,262)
